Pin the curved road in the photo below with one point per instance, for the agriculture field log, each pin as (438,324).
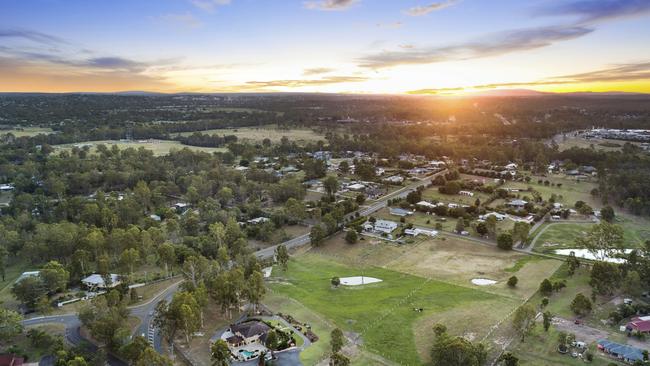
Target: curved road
(145,312)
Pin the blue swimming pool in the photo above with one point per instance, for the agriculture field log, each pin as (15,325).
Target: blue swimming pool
(245,353)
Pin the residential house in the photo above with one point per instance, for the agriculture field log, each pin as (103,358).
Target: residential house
(518,204)
(247,332)
(466,193)
(498,216)
(258,220)
(511,166)
(639,324)
(622,352)
(96,282)
(6,187)
(395,179)
(425,204)
(11,360)
(400,212)
(383,226)
(416,232)
(356,187)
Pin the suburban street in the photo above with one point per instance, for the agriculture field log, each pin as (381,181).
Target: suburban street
(145,312)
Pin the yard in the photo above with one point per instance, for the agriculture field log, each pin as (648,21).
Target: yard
(159,147)
(388,324)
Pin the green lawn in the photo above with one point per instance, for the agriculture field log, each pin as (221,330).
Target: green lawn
(383,312)
(270,132)
(563,235)
(559,236)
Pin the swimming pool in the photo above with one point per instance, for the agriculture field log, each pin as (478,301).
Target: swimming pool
(246,354)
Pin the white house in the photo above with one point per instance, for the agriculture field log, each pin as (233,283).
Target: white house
(400,212)
(511,166)
(416,232)
(6,187)
(384,226)
(425,204)
(517,203)
(258,220)
(395,179)
(96,281)
(498,216)
(356,187)
(466,193)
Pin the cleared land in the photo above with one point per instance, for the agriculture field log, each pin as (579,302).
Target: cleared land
(27,131)
(261,133)
(455,260)
(159,147)
(384,323)
(432,274)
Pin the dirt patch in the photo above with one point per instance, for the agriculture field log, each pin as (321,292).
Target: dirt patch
(584,333)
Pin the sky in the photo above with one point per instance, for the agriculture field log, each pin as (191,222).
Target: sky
(432,47)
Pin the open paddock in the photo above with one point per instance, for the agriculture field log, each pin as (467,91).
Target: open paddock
(382,314)
(26,131)
(158,147)
(260,133)
(456,260)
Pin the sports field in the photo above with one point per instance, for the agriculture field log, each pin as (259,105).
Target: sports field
(159,147)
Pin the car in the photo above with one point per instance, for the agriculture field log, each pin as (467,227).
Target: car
(577,322)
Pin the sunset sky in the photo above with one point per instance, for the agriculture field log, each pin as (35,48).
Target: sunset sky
(347,46)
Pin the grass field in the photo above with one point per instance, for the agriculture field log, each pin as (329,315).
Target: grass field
(260,133)
(597,144)
(383,323)
(563,235)
(159,147)
(27,131)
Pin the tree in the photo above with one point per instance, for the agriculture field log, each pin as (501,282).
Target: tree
(129,258)
(524,320)
(360,198)
(491,225)
(106,318)
(547,317)
(603,241)
(282,256)
(335,281)
(3,260)
(546,287)
(331,185)
(520,232)
(337,359)
(255,289)
(512,281)
(337,340)
(344,167)
(330,223)
(481,228)
(508,359)
(605,277)
(54,276)
(351,236)
(581,305)
(573,263)
(460,225)
(28,291)
(504,241)
(272,340)
(316,235)
(295,209)
(220,353)
(10,324)
(632,284)
(167,256)
(456,351)
(607,213)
